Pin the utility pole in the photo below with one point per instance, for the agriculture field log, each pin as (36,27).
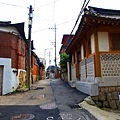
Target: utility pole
(55,49)
(49,58)
(45,59)
(55,46)
(54,42)
(29,47)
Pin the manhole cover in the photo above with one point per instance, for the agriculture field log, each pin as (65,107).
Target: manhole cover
(22,117)
(38,96)
(39,88)
(49,106)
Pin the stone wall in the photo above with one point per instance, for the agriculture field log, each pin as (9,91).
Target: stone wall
(64,76)
(22,79)
(108,97)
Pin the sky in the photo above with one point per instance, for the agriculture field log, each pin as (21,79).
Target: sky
(47,13)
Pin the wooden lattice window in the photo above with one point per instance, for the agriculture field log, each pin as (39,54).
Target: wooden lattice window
(115,41)
(84,50)
(89,46)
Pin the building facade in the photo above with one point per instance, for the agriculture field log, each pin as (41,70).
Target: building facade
(12,56)
(95,56)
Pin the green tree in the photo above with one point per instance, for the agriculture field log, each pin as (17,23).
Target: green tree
(63,61)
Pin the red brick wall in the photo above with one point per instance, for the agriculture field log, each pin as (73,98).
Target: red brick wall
(5,45)
(10,47)
(18,55)
(35,68)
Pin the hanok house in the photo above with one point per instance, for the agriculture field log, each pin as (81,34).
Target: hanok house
(12,56)
(95,52)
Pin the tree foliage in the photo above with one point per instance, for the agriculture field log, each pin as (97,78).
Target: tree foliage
(63,60)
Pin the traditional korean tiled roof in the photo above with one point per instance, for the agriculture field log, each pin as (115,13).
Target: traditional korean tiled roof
(18,26)
(91,17)
(100,12)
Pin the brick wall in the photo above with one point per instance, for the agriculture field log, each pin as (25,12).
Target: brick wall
(10,47)
(18,52)
(5,45)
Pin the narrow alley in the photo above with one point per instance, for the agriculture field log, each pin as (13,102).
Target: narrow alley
(47,100)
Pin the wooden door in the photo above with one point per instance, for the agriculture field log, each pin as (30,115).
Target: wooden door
(1,79)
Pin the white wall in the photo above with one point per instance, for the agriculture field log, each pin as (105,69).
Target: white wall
(9,29)
(7,81)
(92,44)
(10,80)
(73,72)
(103,41)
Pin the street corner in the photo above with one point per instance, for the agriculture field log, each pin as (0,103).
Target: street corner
(100,114)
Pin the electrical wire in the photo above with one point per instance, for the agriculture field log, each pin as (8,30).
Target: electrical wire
(11,5)
(45,4)
(82,9)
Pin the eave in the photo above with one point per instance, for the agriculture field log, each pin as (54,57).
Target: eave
(87,23)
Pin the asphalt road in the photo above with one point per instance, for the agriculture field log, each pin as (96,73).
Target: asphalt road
(47,100)
(67,100)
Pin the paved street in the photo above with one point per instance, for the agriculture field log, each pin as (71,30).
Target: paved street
(47,100)
(67,100)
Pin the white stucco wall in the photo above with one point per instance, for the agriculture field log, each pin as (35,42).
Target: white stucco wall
(103,41)
(14,78)
(10,80)
(7,81)
(68,68)
(9,29)
(73,72)
(92,44)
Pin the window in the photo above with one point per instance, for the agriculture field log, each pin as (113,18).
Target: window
(89,46)
(79,55)
(115,41)
(84,50)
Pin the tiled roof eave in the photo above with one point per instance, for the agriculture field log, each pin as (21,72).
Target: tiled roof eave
(103,19)
(91,20)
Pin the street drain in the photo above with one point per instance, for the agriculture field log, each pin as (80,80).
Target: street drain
(38,96)
(22,117)
(75,106)
(39,88)
(49,106)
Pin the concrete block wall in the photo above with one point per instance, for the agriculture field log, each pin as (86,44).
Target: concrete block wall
(108,97)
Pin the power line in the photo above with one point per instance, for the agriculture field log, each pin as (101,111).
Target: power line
(11,5)
(46,4)
(40,30)
(57,24)
(82,9)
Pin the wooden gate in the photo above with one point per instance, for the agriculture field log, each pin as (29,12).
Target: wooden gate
(1,79)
